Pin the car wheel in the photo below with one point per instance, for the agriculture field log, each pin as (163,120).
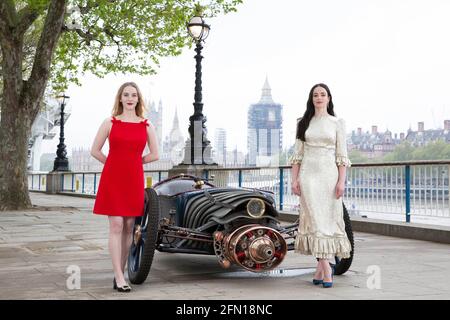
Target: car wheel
(342,265)
(145,236)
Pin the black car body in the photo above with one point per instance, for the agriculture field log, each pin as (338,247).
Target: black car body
(185,214)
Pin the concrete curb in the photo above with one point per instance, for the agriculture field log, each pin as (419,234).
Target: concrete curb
(414,231)
(68,193)
(80,195)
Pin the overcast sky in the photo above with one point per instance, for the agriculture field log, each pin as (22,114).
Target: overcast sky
(385,61)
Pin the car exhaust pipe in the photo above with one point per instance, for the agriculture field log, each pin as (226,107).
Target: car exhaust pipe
(254,247)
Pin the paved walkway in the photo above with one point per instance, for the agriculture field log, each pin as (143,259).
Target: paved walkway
(38,245)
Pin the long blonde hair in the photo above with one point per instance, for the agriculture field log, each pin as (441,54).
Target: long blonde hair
(118,107)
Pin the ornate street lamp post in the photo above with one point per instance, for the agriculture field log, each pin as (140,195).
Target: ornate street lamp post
(199,149)
(61,162)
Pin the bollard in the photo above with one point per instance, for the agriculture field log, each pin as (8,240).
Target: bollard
(408,192)
(281,188)
(240,179)
(148,182)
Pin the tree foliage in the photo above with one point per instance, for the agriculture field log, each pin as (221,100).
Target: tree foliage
(356,156)
(113,36)
(436,150)
(105,36)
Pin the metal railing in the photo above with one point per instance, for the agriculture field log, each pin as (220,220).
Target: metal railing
(87,182)
(418,188)
(37,181)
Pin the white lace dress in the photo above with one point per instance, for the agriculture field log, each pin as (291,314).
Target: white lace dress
(321,231)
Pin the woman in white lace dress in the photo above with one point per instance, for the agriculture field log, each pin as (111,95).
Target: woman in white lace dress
(318,176)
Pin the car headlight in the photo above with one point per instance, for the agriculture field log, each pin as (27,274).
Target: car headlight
(256,208)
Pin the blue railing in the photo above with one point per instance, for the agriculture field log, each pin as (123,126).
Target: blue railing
(408,192)
(378,189)
(86,182)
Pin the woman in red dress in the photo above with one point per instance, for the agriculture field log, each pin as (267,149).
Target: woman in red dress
(120,194)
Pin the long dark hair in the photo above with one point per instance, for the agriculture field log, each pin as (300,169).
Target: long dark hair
(303,124)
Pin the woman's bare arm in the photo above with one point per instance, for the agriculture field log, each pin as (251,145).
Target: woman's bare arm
(295,184)
(99,141)
(152,145)
(340,185)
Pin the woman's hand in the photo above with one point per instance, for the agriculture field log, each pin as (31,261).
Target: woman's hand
(340,187)
(295,187)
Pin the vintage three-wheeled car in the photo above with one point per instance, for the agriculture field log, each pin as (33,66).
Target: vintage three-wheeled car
(186,214)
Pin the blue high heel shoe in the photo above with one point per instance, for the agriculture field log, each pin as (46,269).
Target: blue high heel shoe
(317,282)
(326,284)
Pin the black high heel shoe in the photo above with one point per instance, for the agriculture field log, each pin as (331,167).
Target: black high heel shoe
(124,288)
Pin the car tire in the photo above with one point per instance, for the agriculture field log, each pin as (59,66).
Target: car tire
(342,265)
(140,257)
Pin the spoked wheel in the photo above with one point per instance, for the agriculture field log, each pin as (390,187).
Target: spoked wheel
(145,236)
(342,265)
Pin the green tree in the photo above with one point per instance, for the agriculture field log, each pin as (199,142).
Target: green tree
(436,150)
(402,152)
(53,42)
(356,156)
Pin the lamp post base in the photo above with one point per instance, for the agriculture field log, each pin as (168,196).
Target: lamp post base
(61,164)
(197,154)
(54,182)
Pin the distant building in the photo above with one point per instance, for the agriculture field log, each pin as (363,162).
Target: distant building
(373,144)
(44,127)
(173,147)
(265,133)
(235,158)
(83,161)
(46,162)
(376,144)
(156,118)
(422,137)
(220,146)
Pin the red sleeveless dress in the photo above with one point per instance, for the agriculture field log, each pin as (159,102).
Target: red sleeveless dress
(121,188)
